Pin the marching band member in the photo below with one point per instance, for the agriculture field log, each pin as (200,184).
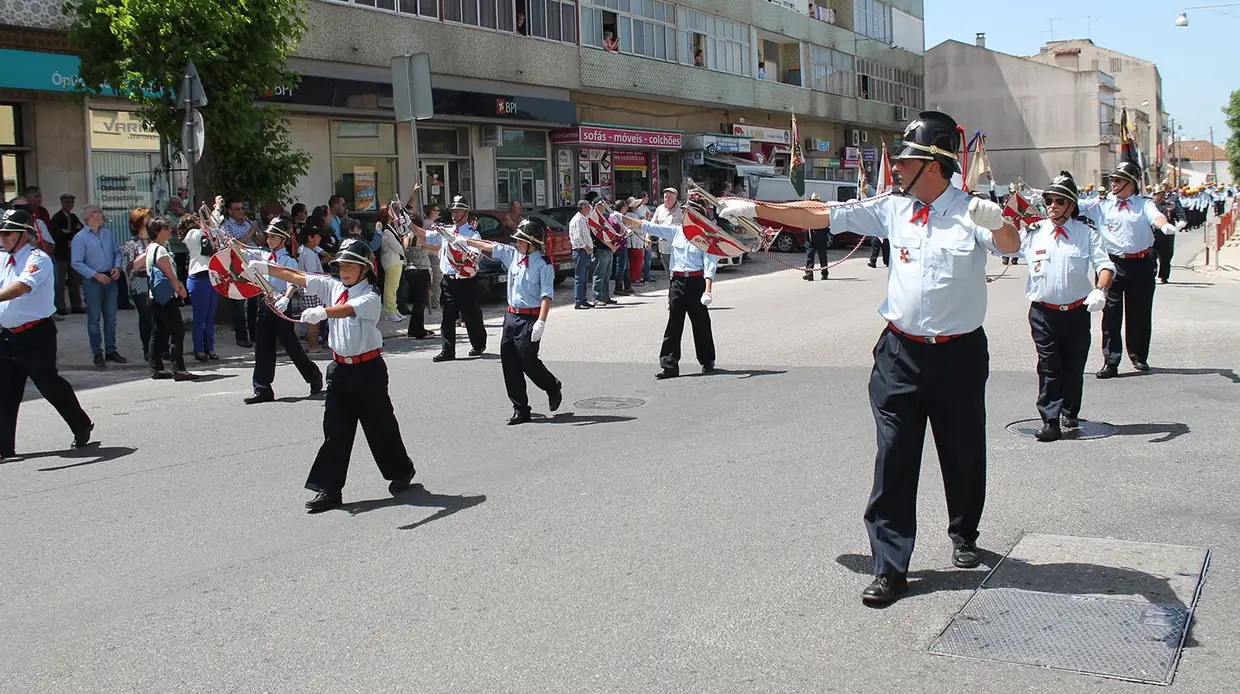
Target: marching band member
(357,384)
(28,333)
(1124,220)
(459,295)
(692,274)
(531,280)
(1062,294)
(272,328)
(932,361)
(1164,244)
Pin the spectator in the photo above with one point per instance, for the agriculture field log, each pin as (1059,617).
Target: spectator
(245,311)
(336,215)
(202,296)
(310,259)
(522,29)
(432,218)
(165,288)
(96,258)
(133,253)
(583,252)
(328,241)
(636,246)
(610,43)
(392,259)
(620,260)
(418,281)
(63,226)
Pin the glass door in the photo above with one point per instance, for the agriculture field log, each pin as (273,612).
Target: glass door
(435,190)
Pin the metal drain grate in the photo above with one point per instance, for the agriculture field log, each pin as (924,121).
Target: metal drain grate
(609,403)
(1087,431)
(1122,639)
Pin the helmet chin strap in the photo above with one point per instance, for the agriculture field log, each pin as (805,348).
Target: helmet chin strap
(908,189)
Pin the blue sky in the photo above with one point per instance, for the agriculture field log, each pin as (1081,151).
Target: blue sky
(1197,77)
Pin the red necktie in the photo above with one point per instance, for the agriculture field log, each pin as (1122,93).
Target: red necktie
(272,259)
(343,298)
(1061,233)
(12,261)
(922,215)
(525,260)
(1123,204)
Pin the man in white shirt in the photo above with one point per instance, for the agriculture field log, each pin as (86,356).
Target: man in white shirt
(583,252)
(667,214)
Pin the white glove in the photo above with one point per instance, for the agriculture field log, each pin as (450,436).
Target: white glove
(314,315)
(1095,301)
(258,267)
(536,333)
(1180,225)
(986,214)
(281,304)
(733,210)
(1168,229)
(706,299)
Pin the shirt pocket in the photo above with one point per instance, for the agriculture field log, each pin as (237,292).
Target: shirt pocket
(955,254)
(905,255)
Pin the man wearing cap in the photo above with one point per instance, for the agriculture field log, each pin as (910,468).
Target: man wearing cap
(1126,221)
(459,292)
(1062,293)
(63,226)
(271,328)
(97,259)
(931,362)
(1164,243)
(27,333)
(667,214)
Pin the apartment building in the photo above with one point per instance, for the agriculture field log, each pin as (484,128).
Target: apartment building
(535,100)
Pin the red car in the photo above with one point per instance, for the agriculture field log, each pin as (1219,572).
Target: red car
(559,249)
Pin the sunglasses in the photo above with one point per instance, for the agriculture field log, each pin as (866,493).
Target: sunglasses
(1054,200)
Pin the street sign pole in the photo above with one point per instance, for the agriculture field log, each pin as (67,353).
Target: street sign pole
(411,93)
(192,131)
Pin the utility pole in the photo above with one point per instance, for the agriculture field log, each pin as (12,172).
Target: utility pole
(1213,170)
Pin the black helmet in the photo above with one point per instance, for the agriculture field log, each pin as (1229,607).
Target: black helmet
(696,203)
(532,230)
(1129,172)
(459,203)
(280,227)
(19,221)
(1064,186)
(934,137)
(355,250)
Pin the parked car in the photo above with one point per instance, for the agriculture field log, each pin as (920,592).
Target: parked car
(559,250)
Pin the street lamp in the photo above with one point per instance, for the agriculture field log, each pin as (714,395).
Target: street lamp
(1182,20)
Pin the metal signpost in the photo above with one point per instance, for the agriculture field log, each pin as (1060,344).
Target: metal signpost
(411,92)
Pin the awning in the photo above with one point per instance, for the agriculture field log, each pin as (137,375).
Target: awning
(744,167)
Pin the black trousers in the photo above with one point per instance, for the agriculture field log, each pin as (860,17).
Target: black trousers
(272,329)
(518,353)
(1164,249)
(685,297)
(418,294)
(877,247)
(1128,314)
(1062,341)
(32,354)
(819,240)
(1218,207)
(459,298)
(168,327)
(911,383)
(245,318)
(358,393)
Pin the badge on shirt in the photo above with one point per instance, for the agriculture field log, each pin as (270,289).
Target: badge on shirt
(904,255)
(32,268)
(1037,266)
(1040,251)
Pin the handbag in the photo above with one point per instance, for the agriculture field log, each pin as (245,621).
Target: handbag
(161,291)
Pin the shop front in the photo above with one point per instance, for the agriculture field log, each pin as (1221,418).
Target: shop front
(717,160)
(614,162)
(769,146)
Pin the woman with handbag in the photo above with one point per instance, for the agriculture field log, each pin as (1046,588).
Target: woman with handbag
(202,296)
(165,288)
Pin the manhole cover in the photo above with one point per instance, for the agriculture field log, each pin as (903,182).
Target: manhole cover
(609,403)
(1087,431)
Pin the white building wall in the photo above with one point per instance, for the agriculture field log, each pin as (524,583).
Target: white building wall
(313,135)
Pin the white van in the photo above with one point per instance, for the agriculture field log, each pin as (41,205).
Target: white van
(779,189)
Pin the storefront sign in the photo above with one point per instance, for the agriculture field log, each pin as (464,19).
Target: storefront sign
(869,154)
(828,162)
(821,145)
(695,158)
(44,72)
(723,144)
(760,134)
(365,191)
(121,130)
(628,161)
(618,137)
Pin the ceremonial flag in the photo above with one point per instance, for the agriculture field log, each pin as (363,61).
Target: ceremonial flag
(1127,142)
(861,181)
(1019,210)
(979,165)
(707,236)
(884,181)
(796,168)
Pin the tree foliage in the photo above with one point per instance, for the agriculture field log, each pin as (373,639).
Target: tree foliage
(1232,111)
(241,50)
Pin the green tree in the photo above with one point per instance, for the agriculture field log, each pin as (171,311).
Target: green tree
(1232,111)
(241,49)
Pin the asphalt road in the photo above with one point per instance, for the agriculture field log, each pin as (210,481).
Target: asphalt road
(707,538)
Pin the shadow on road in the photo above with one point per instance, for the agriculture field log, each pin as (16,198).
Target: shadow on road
(417,495)
(1167,430)
(89,455)
(579,420)
(1229,374)
(743,373)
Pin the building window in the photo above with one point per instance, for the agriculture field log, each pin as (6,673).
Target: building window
(549,19)
(12,153)
(364,163)
(878,82)
(417,8)
(832,71)
(873,19)
(714,43)
(489,14)
(638,27)
(521,168)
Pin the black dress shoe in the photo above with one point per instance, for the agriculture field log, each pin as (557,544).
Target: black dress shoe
(81,437)
(180,376)
(443,357)
(258,398)
(1049,432)
(809,277)
(399,485)
(965,556)
(708,368)
(885,590)
(114,357)
(477,352)
(161,375)
(667,373)
(323,502)
(518,417)
(1069,422)
(583,306)
(317,386)
(100,361)
(1107,371)
(825,276)
(555,397)
(1140,365)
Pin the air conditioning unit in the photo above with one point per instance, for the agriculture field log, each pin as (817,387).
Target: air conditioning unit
(854,138)
(901,113)
(865,137)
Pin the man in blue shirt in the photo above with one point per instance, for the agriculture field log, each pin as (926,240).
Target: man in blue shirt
(97,259)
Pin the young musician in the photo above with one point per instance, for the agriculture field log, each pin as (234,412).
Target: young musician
(531,280)
(1062,293)
(357,387)
(459,289)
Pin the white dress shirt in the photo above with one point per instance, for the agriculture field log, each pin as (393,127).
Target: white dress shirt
(359,333)
(936,283)
(579,236)
(1126,225)
(35,269)
(1059,263)
(665,217)
(193,244)
(686,257)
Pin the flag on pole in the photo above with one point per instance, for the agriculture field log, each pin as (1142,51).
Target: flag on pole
(861,181)
(979,165)
(796,168)
(884,180)
(1127,143)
